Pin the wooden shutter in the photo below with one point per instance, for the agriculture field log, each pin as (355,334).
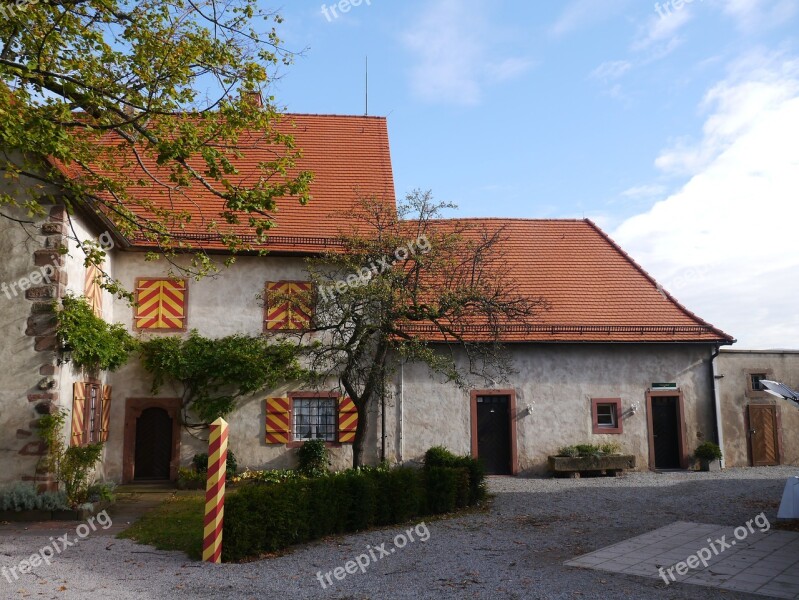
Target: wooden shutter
(161,304)
(105,417)
(288,305)
(92,290)
(78,413)
(278,420)
(347,420)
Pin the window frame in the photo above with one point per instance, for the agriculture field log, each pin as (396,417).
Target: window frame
(750,391)
(185,318)
(292,396)
(88,422)
(599,429)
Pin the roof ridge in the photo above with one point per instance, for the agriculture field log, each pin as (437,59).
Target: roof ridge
(657,285)
(512,219)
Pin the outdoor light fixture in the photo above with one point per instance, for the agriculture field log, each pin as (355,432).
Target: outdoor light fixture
(64,354)
(634,408)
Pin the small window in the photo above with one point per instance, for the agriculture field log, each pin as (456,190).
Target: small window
(756,379)
(606,415)
(314,418)
(754,387)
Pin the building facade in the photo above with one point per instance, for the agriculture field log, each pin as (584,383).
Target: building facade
(614,358)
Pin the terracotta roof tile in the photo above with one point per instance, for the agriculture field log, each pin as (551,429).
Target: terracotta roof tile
(348,155)
(596,292)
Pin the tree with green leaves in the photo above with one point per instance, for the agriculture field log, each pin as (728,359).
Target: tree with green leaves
(411,287)
(216,373)
(101,96)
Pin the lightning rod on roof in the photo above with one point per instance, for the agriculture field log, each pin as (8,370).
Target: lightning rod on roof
(367,87)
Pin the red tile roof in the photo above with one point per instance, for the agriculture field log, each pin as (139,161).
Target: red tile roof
(348,155)
(595,291)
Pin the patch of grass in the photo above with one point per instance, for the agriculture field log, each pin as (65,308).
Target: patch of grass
(177,524)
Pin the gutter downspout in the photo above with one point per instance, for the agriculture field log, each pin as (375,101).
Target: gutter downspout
(401,414)
(717,403)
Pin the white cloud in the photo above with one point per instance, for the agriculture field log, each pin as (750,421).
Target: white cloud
(726,243)
(583,13)
(612,69)
(753,15)
(662,31)
(453,56)
(644,191)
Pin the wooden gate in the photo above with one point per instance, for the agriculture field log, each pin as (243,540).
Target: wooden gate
(764,435)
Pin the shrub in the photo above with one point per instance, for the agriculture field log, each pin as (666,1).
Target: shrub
(23,496)
(267,517)
(589,450)
(272,476)
(313,457)
(200,462)
(610,448)
(708,451)
(102,492)
(439,456)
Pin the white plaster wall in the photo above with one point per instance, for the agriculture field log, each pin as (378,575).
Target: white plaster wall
(225,304)
(734,367)
(561,380)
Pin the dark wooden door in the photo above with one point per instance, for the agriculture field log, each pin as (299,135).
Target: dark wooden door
(493,434)
(153,445)
(763,435)
(665,430)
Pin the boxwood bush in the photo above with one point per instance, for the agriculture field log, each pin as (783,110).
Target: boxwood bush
(438,456)
(267,517)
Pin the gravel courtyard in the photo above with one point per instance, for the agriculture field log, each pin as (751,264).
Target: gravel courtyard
(514,550)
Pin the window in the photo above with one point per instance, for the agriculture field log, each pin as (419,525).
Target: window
(308,416)
(161,304)
(756,379)
(314,418)
(91,412)
(606,415)
(288,306)
(754,389)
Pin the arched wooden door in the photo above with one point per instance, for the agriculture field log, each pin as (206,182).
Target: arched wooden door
(152,440)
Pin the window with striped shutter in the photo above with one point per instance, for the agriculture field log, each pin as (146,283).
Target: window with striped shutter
(78,414)
(105,419)
(347,420)
(161,304)
(288,305)
(278,421)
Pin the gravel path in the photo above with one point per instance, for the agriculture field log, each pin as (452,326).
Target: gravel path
(514,550)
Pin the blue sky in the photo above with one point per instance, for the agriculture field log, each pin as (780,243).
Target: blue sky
(676,129)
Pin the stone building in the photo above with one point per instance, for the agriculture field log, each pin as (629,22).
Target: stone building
(616,358)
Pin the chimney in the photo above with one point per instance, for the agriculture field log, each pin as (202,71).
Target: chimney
(253,97)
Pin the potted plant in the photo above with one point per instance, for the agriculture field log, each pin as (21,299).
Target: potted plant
(706,453)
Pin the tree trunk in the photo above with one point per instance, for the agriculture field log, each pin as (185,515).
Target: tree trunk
(360,438)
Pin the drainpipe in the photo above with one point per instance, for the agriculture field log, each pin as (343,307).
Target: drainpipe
(401,413)
(717,403)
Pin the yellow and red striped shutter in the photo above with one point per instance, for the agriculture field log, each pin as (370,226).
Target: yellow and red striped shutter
(161,304)
(347,420)
(92,290)
(78,413)
(288,305)
(278,420)
(105,417)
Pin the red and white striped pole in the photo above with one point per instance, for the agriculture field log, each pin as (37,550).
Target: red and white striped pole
(215,492)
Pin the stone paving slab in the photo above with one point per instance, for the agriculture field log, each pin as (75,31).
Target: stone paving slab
(740,559)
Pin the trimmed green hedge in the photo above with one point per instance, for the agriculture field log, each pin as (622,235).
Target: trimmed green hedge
(267,517)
